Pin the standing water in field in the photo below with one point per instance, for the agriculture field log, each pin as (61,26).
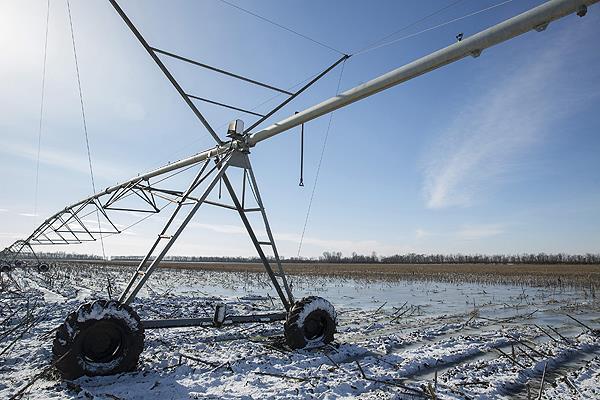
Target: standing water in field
(395,339)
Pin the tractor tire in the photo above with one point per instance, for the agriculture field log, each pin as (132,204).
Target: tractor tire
(43,267)
(104,337)
(311,322)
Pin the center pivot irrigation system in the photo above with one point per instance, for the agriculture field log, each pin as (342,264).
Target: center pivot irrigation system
(106,336)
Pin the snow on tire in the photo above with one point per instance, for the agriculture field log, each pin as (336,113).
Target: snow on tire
(311,322)
(104,337)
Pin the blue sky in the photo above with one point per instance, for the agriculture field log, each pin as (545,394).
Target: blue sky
(497,154)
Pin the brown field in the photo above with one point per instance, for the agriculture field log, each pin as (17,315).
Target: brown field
(527,274)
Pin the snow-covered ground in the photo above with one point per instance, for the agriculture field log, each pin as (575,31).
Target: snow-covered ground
(395,339)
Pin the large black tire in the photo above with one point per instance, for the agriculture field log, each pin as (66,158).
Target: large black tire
(100,338)
(43,267)
(311,322)
(5,268)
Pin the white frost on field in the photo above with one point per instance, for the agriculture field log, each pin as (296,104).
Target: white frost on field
(457,330)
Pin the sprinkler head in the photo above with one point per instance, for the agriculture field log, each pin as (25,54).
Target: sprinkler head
(235,130)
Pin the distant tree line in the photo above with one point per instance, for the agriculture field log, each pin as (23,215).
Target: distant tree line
(237,259)
(61,255)
(57,255)
(411,258)
(333,257)
(527,258)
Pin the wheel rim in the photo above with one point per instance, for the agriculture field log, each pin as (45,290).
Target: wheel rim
(103,342)
(314,327)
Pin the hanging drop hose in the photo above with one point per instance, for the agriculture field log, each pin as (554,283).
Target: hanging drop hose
(301,154)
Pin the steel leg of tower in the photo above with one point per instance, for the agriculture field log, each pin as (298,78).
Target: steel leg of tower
(144,271)
(278,278)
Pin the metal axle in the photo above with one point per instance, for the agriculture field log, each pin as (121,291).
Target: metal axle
(209,322)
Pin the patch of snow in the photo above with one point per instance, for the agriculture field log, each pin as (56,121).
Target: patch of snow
(83,294)
(51,297)
(98,312)
(318,303)
(247,361)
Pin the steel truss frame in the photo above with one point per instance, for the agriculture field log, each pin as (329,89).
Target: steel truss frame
(69,225)
(19,248)
(188,98)
(182,215)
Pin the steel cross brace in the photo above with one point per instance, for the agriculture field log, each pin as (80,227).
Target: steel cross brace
(10,254)
(234,158)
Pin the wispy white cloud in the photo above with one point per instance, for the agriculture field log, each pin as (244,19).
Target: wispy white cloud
(345,246)
(103,223)
(11,235)
(495,128)
(62,159)
(28,215)
(130,110)
(421,233)
(3,210)
(473,232)
(220,228)
(463,232)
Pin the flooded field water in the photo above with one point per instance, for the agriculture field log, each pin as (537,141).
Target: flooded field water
(397,338)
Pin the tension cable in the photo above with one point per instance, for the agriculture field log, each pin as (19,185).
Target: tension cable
(85,131)
(405,27)
(377,46)
(283,27)
(312,195)
(39,146)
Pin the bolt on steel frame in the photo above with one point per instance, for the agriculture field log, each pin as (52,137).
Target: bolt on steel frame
(69,225)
